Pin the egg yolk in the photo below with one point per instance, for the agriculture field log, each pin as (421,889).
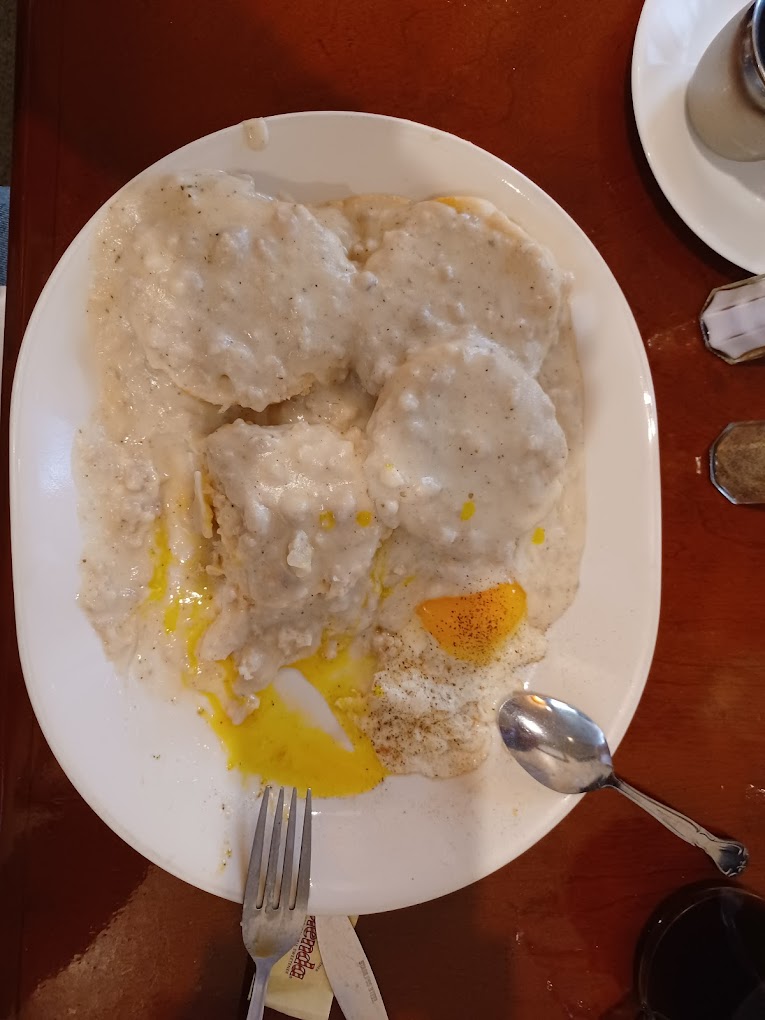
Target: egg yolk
(275,742)
(474,627)
(344,676)
(278,744)
(281,745)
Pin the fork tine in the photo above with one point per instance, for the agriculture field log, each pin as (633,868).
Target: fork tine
(270,893)
(304,866)
(252,885)
(285,898)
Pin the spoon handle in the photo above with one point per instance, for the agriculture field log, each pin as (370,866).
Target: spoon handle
(729,856)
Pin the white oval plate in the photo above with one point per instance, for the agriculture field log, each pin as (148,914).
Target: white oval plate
(152,769)
(722,201)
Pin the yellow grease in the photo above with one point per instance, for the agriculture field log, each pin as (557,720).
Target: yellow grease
(379,573)
(180,593)
(455,203)
(364,518)
(468,509)
(474,627)
(327,520)
(281,745)
(539,536)
(160,558)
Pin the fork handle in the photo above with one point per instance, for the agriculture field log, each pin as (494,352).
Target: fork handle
(258,989)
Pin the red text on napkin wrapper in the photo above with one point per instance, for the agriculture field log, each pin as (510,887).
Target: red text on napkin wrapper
(301,960)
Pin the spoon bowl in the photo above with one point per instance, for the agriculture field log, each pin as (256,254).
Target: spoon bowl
(559,746)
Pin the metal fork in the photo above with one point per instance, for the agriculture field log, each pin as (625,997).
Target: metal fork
(272,919)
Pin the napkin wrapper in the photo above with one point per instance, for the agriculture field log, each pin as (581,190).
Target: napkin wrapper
(298,985)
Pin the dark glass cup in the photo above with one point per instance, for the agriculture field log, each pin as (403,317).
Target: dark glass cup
(702,956)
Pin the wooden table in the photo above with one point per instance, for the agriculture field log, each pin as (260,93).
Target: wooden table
(88,927)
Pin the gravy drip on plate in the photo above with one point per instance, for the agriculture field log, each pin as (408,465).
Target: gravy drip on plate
(346,433)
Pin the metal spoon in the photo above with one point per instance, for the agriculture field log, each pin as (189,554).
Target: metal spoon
(565,750)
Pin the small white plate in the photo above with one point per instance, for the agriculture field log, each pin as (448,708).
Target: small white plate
(153,769)
(722,201)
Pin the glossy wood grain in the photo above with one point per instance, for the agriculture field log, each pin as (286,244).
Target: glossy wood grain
(89,928)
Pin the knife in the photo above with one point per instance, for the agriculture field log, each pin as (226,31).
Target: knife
(348,970)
